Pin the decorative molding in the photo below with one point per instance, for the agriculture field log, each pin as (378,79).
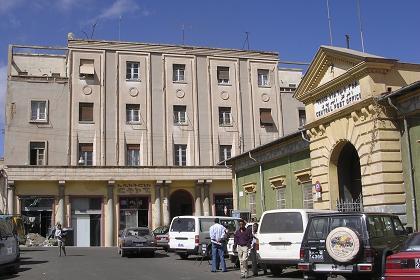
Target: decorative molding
(87,90)
(133,91)
(224,95)
(180,93)
(265,97)
(278,182)
(303,175)
(250,187)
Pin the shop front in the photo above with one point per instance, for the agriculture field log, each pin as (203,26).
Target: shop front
(39,211)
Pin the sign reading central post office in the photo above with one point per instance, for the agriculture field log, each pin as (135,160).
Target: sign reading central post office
(338,99)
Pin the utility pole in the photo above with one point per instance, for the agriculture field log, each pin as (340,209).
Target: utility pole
(329,22)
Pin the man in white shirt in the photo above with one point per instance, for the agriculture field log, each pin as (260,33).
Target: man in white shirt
(217,237)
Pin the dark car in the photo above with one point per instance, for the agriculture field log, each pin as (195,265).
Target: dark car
(405,264)
(162,237)
(139,240)
(9,247)
(350,244)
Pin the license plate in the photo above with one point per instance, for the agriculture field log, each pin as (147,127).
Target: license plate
(180,245)
(316,255)
(139,244)
(417,263)
(333,267)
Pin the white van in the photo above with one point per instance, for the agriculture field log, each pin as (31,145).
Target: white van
(280,235)
(187,234)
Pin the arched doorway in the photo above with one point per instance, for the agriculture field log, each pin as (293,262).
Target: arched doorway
(345,174)
(181,203)
(348,171)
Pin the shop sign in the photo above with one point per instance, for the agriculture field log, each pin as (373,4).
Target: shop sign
(338,99)
(134,188)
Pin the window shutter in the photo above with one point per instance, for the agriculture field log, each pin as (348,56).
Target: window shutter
(86,147)
(86,112)
(86,67)
(133,147)
(266,118)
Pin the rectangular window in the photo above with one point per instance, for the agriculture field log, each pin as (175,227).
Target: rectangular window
(263,78)
(37,153)
(223,75)
(225,152)
(39,111)
(180,155)
(85,112)
(132,113)
(225,116)
(252,204)
(132,70)
(86,154)
(180,115)
(281,198)
(308,201)
(266,118)
(302,117)
(133,154)
(178,72)
(86,69)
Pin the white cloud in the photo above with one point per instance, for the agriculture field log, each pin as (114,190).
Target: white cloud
(8,5)
(118,8)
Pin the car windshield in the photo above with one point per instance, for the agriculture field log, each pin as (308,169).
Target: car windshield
(183,224)
(352,222)
(137,232)
(282,222)
(412,244)
(161,230)
(231,225)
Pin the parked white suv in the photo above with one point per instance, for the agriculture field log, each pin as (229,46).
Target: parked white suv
(280,236)
(9,247)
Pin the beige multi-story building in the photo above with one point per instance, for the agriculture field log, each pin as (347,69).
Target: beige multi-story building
(102,135)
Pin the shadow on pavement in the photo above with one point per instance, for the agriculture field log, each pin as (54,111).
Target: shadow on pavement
(291,275)
(32,250)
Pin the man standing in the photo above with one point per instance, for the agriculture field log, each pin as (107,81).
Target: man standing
(242,243)
(217,236)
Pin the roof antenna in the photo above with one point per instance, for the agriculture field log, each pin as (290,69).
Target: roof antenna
(246,42)
(360,25)
(329,22)
(183,32)
(347,40)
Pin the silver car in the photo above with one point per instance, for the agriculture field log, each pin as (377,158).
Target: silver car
(139,240)
(9,247)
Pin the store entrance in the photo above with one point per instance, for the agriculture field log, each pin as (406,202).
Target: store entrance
(86,221)
(39,213)
(134,211)
(223,204)
(181,203)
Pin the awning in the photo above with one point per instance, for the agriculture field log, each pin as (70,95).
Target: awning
(266,118)
(87,68)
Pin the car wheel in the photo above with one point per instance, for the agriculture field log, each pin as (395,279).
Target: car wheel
(276,270)
(183,256)
(123,253)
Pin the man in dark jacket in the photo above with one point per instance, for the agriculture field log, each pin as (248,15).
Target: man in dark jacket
(242,244)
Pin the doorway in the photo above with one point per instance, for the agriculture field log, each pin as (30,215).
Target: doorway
(86,221)
(39,211)
(134,211)
(348,173)
(181,203)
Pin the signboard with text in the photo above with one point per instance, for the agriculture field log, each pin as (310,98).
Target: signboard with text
(338,99)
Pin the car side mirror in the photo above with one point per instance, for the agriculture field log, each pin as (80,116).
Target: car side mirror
(409,230)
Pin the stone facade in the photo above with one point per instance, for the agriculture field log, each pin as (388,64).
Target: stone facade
(340,93)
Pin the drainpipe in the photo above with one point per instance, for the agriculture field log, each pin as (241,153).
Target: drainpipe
(410,164)
(303,136)
(261,182)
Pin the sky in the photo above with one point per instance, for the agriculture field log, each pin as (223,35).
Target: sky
(293,28)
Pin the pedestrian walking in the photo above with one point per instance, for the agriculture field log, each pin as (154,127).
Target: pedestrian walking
(242,244)
(60,236)
(253,254)
(218,235)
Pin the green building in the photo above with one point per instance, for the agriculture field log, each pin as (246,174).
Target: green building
(405,103)
(274,175)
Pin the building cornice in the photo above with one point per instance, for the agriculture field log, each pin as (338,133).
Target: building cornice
(116,173)
(170,49)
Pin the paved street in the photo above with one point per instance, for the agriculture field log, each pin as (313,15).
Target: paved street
(105,263)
